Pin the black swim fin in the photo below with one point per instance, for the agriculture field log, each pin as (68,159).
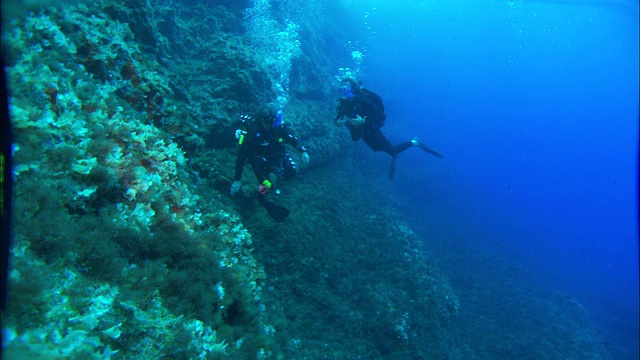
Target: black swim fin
(277,212)
(424,147)
(392,168)
(430,150)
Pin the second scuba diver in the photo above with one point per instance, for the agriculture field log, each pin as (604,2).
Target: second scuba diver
(362,112)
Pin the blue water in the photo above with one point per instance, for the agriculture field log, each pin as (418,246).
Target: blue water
(535,106)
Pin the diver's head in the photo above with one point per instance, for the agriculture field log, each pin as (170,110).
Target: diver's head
(277,121)
(273,116)
(348,88)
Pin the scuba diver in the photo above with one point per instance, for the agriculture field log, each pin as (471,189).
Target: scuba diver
(362,112)
(261,141)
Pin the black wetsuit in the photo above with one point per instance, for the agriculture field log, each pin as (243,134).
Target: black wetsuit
(264,148)
(368,105)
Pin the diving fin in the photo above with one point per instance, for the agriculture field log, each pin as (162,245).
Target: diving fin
(424,147)
(392,168)
(277,212)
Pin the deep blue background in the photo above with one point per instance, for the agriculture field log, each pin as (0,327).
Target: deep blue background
(535,106)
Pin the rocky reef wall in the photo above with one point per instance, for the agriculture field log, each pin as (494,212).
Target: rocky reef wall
(126,243)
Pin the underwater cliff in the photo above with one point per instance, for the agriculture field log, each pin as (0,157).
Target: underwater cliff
(126,243)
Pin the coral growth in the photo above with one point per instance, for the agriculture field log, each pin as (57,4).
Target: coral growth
(106,205)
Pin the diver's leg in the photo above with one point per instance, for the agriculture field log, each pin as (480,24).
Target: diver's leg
(262,169)
(395,151)
(376,140)
(402,147)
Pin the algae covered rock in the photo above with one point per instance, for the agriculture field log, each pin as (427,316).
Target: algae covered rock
(126,243)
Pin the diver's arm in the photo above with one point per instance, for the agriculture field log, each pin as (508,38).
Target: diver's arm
(341,113)
(293,141)
(356,121)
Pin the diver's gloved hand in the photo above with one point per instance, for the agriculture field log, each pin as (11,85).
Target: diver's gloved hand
(305,157)
(235,188)
(356,121)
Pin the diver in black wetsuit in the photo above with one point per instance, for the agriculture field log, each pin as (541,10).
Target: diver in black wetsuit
(362,111)
(261,141)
